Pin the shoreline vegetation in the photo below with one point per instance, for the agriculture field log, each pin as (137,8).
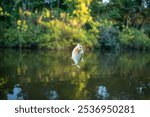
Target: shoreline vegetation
(61,24)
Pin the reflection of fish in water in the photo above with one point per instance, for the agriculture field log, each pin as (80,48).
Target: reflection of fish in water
(77,55)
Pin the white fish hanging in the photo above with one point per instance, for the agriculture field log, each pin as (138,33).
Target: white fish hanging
(77,55)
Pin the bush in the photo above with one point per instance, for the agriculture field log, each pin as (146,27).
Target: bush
(28,38)
(109,36)
(54,34)
(45,29)
(61,35)
(135,39)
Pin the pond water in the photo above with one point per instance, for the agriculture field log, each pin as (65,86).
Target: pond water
(49,75)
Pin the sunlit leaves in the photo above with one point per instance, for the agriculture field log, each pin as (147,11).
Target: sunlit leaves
(27,13)
(3,13)
(1,9)
(22,25)
(63,35)
(80,18)
(82,11)
(63,15)
(46,13)
(20,11)
(19,22)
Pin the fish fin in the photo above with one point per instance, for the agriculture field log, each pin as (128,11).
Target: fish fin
(82,60)
(72,58)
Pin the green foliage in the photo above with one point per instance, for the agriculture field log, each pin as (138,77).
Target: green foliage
(3,92)
(61,35)
(54,34)
(28,38)
(81,11)
(3,13)
(47,29)
(109,35)
(134,38)
(61,24)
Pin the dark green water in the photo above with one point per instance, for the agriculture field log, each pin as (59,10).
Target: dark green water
(50,75)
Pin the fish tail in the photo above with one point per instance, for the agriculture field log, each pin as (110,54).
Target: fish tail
(76,65)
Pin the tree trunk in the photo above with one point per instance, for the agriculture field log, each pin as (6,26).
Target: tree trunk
(58,3)
(24,4)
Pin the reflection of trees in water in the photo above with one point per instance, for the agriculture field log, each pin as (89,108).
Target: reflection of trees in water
(3,91)
(125,73)
(50,75)
(43,73)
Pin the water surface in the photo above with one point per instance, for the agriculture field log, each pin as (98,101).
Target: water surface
(50,75)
